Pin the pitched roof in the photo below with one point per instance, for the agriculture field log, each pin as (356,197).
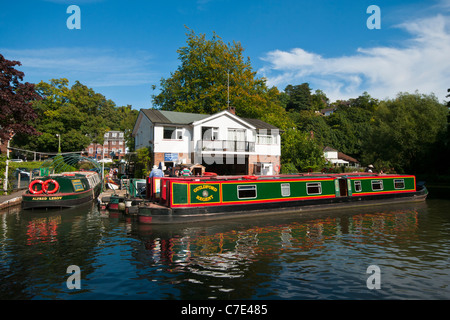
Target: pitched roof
(259,124)
(346,157)
(173,117)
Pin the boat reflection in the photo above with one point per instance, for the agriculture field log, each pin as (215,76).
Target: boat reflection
(226,250)
(42,230)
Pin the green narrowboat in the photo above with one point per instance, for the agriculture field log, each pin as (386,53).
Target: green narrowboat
(62,190)
(173,200)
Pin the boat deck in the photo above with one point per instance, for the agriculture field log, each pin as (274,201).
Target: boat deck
(110,192)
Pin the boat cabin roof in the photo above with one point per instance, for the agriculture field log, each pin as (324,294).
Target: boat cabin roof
(287,176)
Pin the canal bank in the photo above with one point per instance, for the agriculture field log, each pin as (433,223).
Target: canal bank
(11,200)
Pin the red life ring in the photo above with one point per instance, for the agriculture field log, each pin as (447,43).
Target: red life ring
(277,168)
(30,187)
(47,182)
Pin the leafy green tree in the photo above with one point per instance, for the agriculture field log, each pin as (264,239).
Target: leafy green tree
(319,100)
(200,84)
(128,117)
(78,114)
(143,162)
(299,97)
(301,150)
(405,130)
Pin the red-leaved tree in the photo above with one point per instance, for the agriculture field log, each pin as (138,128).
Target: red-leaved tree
(16,98)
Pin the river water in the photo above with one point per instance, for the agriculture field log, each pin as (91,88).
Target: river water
(403,250)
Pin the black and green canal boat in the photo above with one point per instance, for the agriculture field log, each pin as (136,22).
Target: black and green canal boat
(63,184)
(62,190)
(174,200)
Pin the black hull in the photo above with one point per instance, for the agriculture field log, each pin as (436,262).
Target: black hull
(67,202)
(161,215)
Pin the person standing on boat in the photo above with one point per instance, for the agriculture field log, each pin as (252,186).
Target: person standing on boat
(369,168)
(156,172)
(186,172)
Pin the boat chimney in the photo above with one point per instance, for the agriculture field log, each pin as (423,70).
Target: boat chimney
(232,110)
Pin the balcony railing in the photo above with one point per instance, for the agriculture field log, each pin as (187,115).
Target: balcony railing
(226,145)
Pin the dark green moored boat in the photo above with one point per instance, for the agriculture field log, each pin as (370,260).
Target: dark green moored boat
(174,200)
(67,189)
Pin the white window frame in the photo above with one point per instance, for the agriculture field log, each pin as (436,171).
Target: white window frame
(314,184)
(376,182)
(178,133)
(252,186)
(285,189)
(399,181)
(265,139)
(214,132)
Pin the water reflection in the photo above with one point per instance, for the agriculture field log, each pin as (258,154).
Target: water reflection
(324,255)
(245,241)
(43,230)
(235,259)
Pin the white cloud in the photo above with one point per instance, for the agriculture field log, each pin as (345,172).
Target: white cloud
(92,67)
(420,63)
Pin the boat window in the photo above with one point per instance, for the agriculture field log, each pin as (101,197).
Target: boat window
(399,183)
(285,189)
(246,192)
(314,188)
(377,185)
(357,186)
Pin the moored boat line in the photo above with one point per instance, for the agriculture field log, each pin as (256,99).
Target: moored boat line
(177,200)
(168,200)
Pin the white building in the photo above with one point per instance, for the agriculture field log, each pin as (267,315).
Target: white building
(339,159)
(223,142)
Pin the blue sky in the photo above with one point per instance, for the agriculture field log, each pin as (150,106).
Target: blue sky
(125,47)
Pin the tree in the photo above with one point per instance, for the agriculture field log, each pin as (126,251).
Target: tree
(78,114)
(299,97)
(200,84)
(16,98)
(405,131)
(350,123)
(143,162)
(300,150)
(448,96)
(319,100)
(128,118)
